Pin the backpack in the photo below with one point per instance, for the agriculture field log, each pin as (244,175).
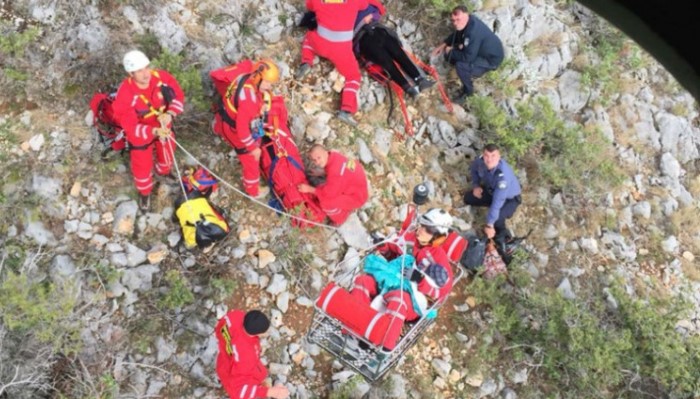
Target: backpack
(473,258)
(110,134)
(199,180)
(202,223)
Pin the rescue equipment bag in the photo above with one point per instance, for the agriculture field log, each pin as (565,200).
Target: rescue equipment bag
(109,132)
(199,180)
(493,263)
(473,257)
(202,223)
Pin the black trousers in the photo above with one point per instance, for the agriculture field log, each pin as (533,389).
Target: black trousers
(383,49)
(507,210)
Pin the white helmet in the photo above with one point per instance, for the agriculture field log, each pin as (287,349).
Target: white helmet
(135,60)
(439,220)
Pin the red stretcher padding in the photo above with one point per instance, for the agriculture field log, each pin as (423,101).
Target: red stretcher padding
(379,328)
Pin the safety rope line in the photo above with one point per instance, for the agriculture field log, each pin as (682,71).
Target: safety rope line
(229,185)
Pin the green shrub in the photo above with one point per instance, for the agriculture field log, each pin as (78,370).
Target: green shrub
(187,75)
(179,294)
(583,347)
(14,43)
(223,287)
(41,310)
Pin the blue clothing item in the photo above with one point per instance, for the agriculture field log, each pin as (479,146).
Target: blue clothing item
(500,183)
(480,46)
(363,13)
(389,276)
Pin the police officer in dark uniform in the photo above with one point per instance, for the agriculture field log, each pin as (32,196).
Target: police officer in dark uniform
(494,185)
(472,48)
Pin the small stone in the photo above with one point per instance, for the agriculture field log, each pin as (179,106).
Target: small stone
(688,256)
(265,257)
(36,142)
(75,190)
(475,380)
(157,254)
(471,301)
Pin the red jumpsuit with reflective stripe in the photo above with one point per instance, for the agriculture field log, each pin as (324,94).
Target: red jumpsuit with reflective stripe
(345,188)
(398,302)
(333,40)
(137,112)
(238,364)
(245,111)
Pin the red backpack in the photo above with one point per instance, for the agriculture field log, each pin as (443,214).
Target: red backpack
(111,135)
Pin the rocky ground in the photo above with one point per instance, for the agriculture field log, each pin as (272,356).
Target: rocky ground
(69,217)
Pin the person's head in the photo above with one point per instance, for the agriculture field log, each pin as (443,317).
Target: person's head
(432,225)
(318,155)
(136,64)
(491,156)
(255,322)
(459,17)
(267,72)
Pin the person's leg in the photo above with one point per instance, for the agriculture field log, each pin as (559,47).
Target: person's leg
(393,46)
(376,49)
(308,50)
(464,71)
(251,174)
(470,199)
(507,212)
(164,156)
(141,166)
(364,289)
(346,64)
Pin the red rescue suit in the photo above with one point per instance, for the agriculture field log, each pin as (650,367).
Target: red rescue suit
(238,364)
(239,116)
(399,304)
(332,39)
(345,188)
(137,112)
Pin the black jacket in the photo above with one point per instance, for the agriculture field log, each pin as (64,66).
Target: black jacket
(480,46)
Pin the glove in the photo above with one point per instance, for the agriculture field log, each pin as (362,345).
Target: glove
(161,132)
(165,119)
(409,273)
(377,237)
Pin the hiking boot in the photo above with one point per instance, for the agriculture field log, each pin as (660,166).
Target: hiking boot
(345,117)
(413,91)
(424,84)
(145,203)
(304,68)
(460,97)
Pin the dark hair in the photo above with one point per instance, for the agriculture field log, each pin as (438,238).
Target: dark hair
(461,8)
(491,147)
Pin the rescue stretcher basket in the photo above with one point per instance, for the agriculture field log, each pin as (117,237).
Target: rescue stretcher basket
(361,355)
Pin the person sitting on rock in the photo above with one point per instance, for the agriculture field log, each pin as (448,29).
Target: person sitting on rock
(345,188)
(377,43)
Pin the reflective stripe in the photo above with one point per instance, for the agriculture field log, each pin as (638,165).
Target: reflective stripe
(228,321)
(372,323)
(245,388)
(349,90)
(454,246)
(342,168)
(329,297)
(396,314)
(251,181)
(363,289)
(335,36)
(235,352)
(177,105)
(331,211)
(252,392)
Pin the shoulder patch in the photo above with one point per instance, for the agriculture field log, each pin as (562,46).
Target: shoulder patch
(502,184)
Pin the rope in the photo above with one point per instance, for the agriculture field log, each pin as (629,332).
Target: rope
(229,185)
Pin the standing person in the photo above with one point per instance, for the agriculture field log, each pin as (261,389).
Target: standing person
(494,185)
(345,188)
(145,105)
(238,364)
(472,48)
(241,110)
(332,39)
(377,43)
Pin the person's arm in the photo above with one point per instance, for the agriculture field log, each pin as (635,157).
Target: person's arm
(177,105)
(499,198)
(248,110)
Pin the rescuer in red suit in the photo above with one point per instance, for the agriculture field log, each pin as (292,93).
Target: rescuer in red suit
(145,105)
(345,188)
